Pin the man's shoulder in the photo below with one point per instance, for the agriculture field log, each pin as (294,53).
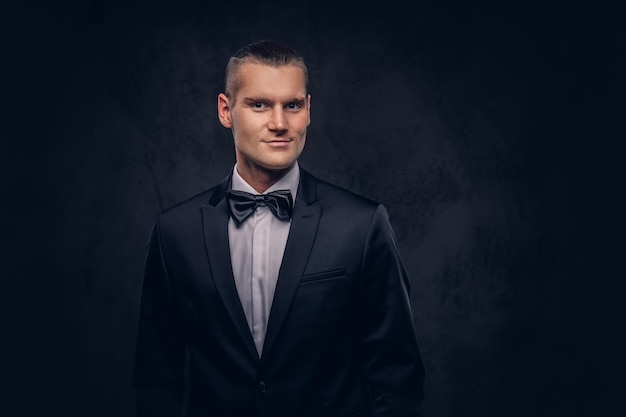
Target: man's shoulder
(330,190)
(193,203)
(335,196)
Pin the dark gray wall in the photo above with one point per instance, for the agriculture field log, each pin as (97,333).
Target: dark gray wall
(485,131)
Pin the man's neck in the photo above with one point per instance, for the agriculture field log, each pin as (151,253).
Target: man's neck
(261,179)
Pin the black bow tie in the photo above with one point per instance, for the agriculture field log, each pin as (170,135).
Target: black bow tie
(241,204)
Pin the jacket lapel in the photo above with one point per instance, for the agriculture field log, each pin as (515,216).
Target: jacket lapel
(305,221)
(215,223)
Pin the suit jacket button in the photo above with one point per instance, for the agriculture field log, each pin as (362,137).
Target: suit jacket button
(263,387)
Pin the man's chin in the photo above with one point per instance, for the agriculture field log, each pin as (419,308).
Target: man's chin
(280,167)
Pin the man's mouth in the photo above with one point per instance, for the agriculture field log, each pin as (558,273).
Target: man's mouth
(278,142)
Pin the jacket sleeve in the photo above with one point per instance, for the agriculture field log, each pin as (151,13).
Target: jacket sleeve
(390,354)
(160,353)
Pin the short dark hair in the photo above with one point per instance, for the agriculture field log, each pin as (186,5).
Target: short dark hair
(263,52)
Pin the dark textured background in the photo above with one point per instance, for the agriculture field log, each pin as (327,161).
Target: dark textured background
(485,130)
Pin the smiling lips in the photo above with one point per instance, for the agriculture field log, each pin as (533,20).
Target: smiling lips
(278,143)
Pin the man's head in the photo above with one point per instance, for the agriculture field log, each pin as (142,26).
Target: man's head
(267,107)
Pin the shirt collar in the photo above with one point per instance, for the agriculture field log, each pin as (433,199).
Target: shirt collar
(289,182)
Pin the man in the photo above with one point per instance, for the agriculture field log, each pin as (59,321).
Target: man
(279,309)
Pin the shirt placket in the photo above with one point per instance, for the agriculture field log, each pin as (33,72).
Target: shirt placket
(260,269)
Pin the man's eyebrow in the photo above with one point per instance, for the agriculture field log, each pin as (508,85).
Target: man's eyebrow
(255,99)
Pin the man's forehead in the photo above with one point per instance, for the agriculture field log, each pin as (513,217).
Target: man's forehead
(259,76)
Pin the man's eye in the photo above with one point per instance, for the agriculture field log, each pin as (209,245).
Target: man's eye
(294,106)
(257,105)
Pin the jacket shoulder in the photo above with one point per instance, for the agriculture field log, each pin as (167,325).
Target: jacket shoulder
(191,206)
(331,194)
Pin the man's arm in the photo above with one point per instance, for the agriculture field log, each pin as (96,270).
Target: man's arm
(159,361)
(390,353)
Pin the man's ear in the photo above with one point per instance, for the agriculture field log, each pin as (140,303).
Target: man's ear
(308,108)
(223,111)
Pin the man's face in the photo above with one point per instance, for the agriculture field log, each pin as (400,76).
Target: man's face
(268,117)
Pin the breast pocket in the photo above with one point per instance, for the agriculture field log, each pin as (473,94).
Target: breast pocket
(333,286)
(323,277)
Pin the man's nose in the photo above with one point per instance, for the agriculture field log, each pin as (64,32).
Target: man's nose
(278,120)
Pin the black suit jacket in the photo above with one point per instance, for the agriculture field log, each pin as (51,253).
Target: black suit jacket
(340,339)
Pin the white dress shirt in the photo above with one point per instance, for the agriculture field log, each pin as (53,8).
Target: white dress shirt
(256,253)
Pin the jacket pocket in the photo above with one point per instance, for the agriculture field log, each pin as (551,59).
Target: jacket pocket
(324,276)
